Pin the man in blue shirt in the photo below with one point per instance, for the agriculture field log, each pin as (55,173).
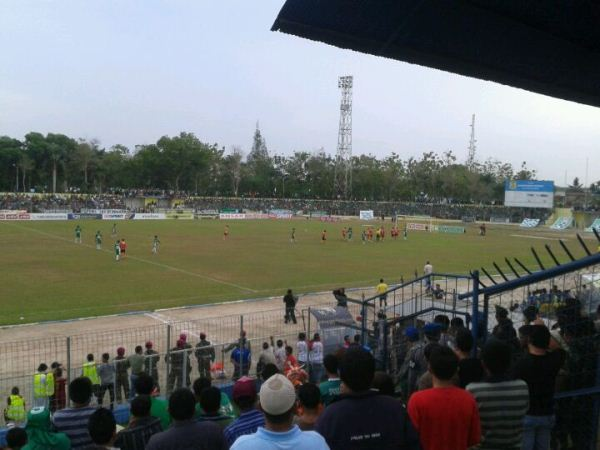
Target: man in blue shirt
(244,396)
(277,401)
(241,360)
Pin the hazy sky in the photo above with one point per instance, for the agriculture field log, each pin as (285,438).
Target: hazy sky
(130,71)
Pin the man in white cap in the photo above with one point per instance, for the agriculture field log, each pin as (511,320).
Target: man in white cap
(278,403)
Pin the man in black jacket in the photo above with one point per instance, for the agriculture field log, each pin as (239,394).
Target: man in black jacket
(290,305)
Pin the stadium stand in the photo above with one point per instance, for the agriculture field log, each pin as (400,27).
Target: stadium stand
(594,226)
(530,223)
(562,223)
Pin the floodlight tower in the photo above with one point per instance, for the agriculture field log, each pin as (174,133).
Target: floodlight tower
(343,161)
(472,146)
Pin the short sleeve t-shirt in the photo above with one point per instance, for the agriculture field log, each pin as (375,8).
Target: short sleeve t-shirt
(330,390)
(446,418)
(316,353)
(302,350)
(382,288)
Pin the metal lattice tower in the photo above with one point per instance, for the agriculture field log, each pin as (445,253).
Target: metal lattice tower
(343,162)
(472,146)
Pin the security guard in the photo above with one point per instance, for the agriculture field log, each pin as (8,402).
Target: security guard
(15,410)
(90,371)
(43,386)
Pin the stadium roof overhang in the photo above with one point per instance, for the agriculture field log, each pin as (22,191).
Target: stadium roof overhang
(548,47)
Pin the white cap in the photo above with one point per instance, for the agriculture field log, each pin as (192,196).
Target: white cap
(277,395)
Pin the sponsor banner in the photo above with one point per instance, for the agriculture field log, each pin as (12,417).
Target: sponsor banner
(86,216)
(49,216)
(319,214)
(230,210)
(256,216)
(417,226)
(232,216)
(529,193)
(15,215)
(103,211)
(330,219)
(280,215)
(149,216)
(180,215)
(114,216)
(448,229)
(366,215)
(207,212)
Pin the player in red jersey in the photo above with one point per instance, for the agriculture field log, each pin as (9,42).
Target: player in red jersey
(344,233)
(123,248)
(323,236)
(226,232)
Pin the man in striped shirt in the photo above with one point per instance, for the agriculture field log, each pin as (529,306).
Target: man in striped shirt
(74,421)
(502,402)
(244,396)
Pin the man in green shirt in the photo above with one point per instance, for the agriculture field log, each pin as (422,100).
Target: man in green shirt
(225,409)
(330,389)
(78,234)
(98,240)
(117,251)
(136,362)
(160,407)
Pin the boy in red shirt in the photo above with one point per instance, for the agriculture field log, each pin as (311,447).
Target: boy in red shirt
(446,417)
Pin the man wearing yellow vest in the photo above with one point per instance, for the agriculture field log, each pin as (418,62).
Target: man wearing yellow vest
(15,409)
(43,386)
(90,371)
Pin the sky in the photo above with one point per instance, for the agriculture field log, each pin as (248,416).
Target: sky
(130,71)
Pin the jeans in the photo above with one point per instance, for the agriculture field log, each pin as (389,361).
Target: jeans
(536,432)
(132,378)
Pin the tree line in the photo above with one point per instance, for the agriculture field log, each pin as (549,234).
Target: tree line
(58,163)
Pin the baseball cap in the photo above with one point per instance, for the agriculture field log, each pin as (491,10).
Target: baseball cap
(432,329)
(277,395)
(149,344)
(411,333)
(244,387)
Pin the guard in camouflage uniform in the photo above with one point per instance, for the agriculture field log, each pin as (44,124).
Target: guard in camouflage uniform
(175,359)
(205,354)
(151,363)
(121,376)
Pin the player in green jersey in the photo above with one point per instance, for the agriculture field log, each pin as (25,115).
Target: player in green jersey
(78,234)
(117,251)
(98,240)
(155,244)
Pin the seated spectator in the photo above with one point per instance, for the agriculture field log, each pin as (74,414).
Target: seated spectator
(39,432)
(226,408)
(144,385)
(244,396)
(277,401)
(74,421)
(309,406)
(361,418)
(268,371)
(16,438)
(383,384)
(502,402)
(539,368)
(470,369)
(142,426)
(445,416)
(438,292)
(103,429)
(210,402)
(186,433)
(330,389)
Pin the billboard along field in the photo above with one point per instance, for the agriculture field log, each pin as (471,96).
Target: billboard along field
(529,193)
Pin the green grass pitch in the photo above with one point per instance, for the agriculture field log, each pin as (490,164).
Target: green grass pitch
(46,276)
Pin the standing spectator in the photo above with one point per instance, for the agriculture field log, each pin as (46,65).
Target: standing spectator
(277,400)
(209,401)
(362,418)
(456,323)
(43,386)
(427,271)
(445,416)
(280,355)
(142,426)
(315,357)
(60,389)
(103,429)
(504,330)
(290,306)
(302,350)
(241,360)
(470,369)
(39,432)
(152,357)
(187,433)
(502,402)
(106,371)
(265,357)
(290,360)
(54,367)
(158,406)
(244,396)
(73,421)
(415,363)
(330,389)
(381,290)
(309,406)
(539,368)
(383,384)
(122,377)
(444,323)
(187,353)
(176,360)
(90,371)
(136,362)
(205,355)
(16,438)
(15,408)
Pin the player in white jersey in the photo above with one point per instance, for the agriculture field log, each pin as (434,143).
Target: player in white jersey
(155,244)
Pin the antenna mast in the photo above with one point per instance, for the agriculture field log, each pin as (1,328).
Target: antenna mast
(472,146)
(343,162)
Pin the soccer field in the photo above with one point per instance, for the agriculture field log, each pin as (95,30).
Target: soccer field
(47,276)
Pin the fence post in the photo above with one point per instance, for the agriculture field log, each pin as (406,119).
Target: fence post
(168,358)
(363,320)
(242,346)
(68,369)
(475,311)
(308,364)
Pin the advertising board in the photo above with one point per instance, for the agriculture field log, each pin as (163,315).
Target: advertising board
(231,216)
(14,215)
(149,216)
(49,216)
(366,215)
(529,193)
(114,216)
(181,215)
(417,226)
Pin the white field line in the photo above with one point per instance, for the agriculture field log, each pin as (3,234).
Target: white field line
(160,317)
(146,261)
(538,237)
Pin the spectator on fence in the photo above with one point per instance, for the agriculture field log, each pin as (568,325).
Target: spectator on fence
(470,369)
(106,372)
(438,292)
(308,407)
(315,357)
(279,352)
(289,299)
(158,406)
(502,402)
(209,403)
(241,359)
(122,377)
(415,364)
(43,386)
(205,355)
(539,368)
(55,367)
(445,416)
(302,350)
(226,408)
(152,357)
(40,434)
(136,363)
(341,297)
(16,439)
(187,433)
(330,389)
(102,428)
(15,408)
(345,424)
(176,361)
(277,401)
(142,425)
(73,421)
(90,371)
(244,396)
